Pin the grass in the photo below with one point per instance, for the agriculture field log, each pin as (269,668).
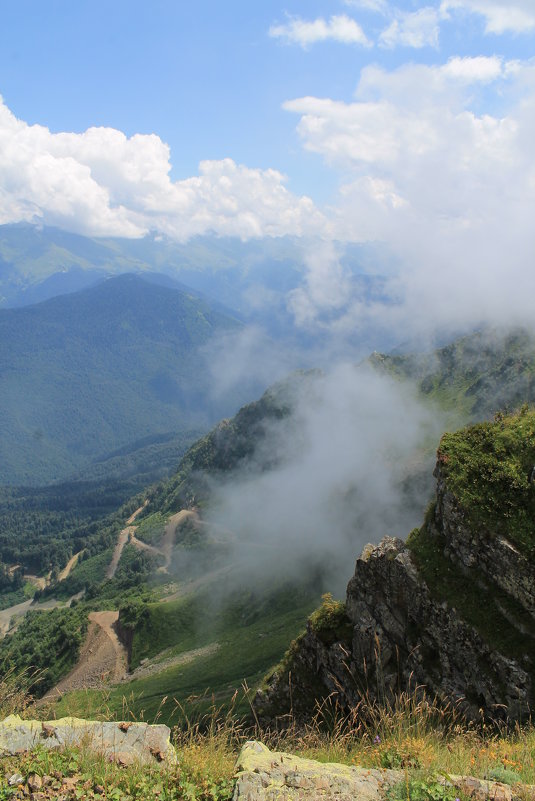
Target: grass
(410,734)
(247,632)
(18,596)
(151,529)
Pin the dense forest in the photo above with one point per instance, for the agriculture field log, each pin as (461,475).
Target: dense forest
(41,528)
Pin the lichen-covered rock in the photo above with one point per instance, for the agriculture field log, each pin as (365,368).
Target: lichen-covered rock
(263,775)
(124,742)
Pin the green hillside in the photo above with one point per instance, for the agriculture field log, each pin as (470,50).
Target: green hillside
(88,373)
(228,445)
(474,376)
(213,619)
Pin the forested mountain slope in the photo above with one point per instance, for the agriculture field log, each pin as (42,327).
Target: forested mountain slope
(88,373)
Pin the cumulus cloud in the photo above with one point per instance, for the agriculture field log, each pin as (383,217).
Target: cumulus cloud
(305,33)
(413,29)
(516,16)
(447,186)
(102,183)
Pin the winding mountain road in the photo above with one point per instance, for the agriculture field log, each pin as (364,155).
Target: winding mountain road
(122,539)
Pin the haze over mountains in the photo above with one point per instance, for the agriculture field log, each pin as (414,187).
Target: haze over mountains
(87,373)
(95,360)
(266,282)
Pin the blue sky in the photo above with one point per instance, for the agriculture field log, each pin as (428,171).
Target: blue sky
(207,77)
(410,123)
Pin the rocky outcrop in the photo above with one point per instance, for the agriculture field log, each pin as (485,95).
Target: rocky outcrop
(411,637)
(264,775)
(451,611)
(126,743)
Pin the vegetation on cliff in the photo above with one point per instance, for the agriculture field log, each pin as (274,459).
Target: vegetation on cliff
(489,468)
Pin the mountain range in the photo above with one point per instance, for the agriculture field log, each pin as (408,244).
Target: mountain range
(211,548)
(254,280)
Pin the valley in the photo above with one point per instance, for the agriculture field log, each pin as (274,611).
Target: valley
(177,600)
(179,552)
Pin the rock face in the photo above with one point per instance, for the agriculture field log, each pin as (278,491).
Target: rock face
(416,639)
(123,742)
(452,610)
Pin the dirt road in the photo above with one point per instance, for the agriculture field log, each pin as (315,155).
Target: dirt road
(103,658)
(168,539)
(144,546)
(122,539)
(69,566)
(9,617)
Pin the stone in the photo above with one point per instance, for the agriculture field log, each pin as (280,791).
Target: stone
(137,742)
(263,775)
(34,782)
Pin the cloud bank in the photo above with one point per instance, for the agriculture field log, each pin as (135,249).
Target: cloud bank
(428,168)
(102,183)
(336,482)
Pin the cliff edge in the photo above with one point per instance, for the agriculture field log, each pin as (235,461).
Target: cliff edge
(451,610)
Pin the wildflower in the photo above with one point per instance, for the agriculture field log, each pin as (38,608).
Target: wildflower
(376,739)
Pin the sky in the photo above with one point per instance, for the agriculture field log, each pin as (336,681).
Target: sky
(404,122)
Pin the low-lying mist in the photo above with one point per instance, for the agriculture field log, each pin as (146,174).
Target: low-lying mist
(343,469)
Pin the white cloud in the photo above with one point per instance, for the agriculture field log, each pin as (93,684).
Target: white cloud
(474,69)
(103,183)
(326,287)
(501,16)
(377,6)
(447,186)
(417,29)
(386,124)
(304,33)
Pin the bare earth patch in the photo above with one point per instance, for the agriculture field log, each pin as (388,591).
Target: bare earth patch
(103,658)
